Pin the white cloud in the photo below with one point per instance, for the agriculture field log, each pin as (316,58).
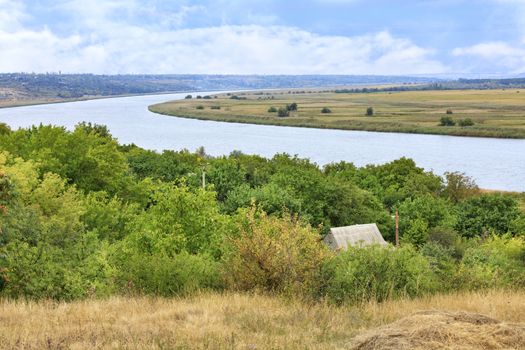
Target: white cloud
(119,48)
(11,14)
(500,57)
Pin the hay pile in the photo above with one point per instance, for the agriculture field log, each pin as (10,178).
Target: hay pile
(443,330)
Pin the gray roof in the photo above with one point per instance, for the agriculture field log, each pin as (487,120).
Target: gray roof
(355,235)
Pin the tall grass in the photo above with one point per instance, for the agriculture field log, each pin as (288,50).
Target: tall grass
(221,321)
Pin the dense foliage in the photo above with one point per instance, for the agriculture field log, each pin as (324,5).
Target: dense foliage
(82,215)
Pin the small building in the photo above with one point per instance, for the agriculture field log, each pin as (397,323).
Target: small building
(355,235)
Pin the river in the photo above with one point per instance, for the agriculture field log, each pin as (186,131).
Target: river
(493,163)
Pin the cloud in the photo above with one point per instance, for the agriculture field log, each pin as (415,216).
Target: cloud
(11,14)
(494,57)
(112,47)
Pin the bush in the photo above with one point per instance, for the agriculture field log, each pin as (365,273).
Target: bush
(496,263)
(207,97)
(235,97)
(272,110)
(188,97)
(442,263)
(274,254)
(199,107)
(215,107)
(466,122)
(292,106)
(377,273)
(447,121)
(370,111)
(164,275)
(449,239)
(326,110)
(449,111)
(283,112)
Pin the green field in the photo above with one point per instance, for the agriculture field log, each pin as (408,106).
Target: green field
(495,113)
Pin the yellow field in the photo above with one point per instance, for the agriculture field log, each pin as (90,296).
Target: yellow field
(496,113)
(236,321)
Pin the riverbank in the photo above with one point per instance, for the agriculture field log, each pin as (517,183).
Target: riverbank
(35,102)
(242,321)
(493,113)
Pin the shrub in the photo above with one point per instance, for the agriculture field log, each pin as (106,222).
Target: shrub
(292,106)
(188,97)
(215,107)
(496,263)
(199,97)
(370,111)
(442,263)
(274,254)
(449,111)
(199,107)
(449,239)
(235,97)
(283,112)
(326,110)
(447,121)
(207,97)
(164,275)
(272,110)
(377,273)
(466,122)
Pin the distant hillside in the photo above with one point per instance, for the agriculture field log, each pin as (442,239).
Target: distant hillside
(65,86)
(24,88)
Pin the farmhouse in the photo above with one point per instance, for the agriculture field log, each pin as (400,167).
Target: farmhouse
(355,235)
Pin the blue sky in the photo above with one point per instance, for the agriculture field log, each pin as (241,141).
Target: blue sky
(425,37)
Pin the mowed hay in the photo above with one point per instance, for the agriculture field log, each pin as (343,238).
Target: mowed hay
(443,330)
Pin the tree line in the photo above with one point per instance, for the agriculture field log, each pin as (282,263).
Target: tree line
(83,216)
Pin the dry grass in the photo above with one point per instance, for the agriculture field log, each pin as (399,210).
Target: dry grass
(435,330)
(496,113)
(230,321)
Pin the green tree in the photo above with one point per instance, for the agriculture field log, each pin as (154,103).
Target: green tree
(487,213)
(459,187)
(291,107)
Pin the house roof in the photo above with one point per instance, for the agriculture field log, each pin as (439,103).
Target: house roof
(355,235)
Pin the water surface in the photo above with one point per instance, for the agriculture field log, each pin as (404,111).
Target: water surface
(493,163)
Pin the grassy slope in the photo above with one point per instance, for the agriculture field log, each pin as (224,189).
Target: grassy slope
(214,321)
(497,113)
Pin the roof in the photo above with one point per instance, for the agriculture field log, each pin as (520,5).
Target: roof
(355,235)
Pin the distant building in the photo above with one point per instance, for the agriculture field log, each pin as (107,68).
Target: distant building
(355,235)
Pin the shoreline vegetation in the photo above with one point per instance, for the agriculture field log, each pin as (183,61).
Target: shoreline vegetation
(473,113)
(36,102)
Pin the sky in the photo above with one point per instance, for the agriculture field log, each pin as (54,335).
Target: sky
(380,37)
